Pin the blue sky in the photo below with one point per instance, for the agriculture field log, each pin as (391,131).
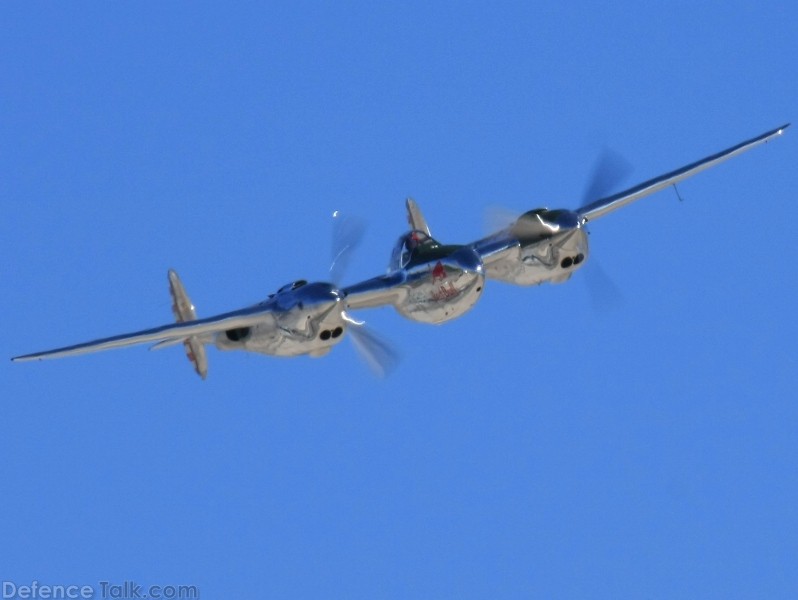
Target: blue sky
(533,448)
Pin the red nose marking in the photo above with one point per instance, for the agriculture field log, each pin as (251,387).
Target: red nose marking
(439,272)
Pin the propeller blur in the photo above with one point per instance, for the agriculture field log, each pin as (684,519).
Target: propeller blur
(426,281)
(301,318)
(545,245)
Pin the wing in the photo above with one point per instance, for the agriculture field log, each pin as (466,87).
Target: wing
(175,333)
(496,247)
(601,207)
(378,291)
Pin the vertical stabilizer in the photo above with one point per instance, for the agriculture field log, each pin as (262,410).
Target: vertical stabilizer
(415,218)
(184,311)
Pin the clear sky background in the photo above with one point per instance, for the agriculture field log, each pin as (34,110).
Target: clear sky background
(534,447)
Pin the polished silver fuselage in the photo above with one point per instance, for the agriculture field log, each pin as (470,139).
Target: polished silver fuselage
(435,293)
(435,287)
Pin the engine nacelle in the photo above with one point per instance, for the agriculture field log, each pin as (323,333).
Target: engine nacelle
(549,246)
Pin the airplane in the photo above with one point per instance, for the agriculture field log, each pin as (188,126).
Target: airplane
(427,281)
(300,318)
(549,245)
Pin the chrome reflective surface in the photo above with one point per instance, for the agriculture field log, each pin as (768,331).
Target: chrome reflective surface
(443,290)
(429,292)
(305,319)
(301,318)
(549,245)
(553,259)
(427,281)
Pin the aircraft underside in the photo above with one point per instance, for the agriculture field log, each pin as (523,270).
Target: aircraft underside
(551,260)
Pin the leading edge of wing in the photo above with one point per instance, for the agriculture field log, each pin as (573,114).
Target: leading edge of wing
(375,292)
(601,207)
(245,317)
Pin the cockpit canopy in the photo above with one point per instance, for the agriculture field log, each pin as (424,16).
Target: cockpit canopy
(417,247)
(408,247)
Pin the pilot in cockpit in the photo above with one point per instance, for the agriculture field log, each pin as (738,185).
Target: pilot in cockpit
(407,247)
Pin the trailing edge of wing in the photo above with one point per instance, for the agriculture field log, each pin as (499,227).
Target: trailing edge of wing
(246,317)
(601,207)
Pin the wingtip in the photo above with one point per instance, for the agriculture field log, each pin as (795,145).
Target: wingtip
(779,130)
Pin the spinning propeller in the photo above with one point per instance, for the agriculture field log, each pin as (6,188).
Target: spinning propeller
(606,176)
(609,172)
(378,354)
